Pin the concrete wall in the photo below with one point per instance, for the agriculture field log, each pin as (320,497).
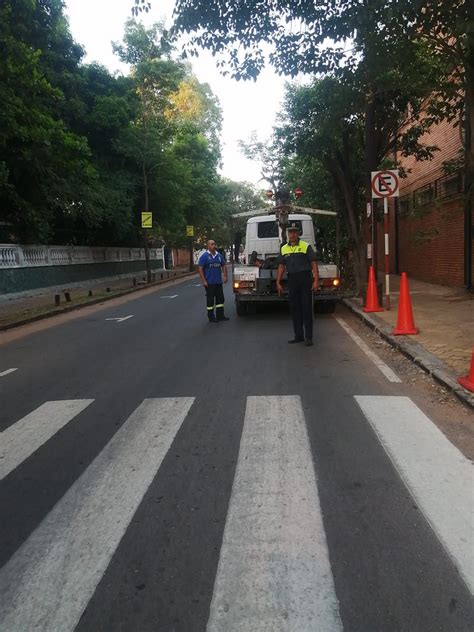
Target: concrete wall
(14,280)
(26,268)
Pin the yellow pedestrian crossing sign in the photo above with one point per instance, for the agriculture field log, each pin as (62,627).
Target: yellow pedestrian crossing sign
(190,231)
(147,220)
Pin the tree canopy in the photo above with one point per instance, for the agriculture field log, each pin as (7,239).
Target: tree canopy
(368,62)
(83,152)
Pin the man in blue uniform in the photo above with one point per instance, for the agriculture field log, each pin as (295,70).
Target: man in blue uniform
(299,259)
(213,271)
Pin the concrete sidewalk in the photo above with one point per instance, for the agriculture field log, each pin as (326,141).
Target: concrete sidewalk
(40,304)
(445,317)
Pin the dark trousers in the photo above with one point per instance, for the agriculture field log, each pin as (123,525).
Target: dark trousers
(300,295)
(215,295)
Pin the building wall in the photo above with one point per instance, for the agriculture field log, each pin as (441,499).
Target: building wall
(430,215)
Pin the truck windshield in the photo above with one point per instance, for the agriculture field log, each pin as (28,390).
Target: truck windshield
(269,230)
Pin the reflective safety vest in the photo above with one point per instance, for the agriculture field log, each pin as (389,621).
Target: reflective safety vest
(300,248)
(297,258)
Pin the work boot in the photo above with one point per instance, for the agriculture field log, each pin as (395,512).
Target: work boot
(308,342)
(222,318)
(294,341)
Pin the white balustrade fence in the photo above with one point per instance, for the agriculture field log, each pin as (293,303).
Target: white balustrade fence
(13,256)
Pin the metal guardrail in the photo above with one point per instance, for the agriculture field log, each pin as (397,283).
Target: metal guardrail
(17,256)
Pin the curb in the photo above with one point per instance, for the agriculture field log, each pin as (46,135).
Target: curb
(96,301)
(414,351)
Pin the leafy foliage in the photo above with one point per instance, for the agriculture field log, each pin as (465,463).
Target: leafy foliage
(82,152)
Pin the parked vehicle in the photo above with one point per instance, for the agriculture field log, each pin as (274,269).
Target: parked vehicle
(255,282)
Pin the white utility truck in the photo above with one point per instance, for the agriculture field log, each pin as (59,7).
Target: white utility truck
(254,282)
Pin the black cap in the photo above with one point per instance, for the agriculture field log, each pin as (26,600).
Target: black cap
(293,226)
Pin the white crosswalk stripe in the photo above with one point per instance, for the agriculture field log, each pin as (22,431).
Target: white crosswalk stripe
(19,441)
(439,477)
(274,571)
(48,582)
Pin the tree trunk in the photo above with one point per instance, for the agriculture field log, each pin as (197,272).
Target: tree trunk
(371,164)
(145,236)
(356,234)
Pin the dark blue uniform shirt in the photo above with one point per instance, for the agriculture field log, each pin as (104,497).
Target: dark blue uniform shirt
(212,266)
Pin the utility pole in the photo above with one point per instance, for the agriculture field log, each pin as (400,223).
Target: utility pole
(145,227)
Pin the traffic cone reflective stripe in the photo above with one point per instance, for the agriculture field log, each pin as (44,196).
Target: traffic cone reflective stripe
(405,321)
(372,299)
(468,381)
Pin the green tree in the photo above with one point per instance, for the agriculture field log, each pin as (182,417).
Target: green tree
(369,46)
(155,78)
(235,197)
(325,125)
(45,168)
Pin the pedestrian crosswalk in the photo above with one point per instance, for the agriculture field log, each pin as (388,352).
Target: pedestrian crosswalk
(52,576)
(274,570)
(20,441)
(274,562)
(439,477)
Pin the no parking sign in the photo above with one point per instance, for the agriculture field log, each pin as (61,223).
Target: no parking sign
(385,184)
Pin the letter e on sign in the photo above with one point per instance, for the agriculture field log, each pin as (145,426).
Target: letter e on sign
(385,184)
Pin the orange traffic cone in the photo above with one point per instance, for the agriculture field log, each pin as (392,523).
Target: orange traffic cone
(405,322)
(468,381)
(372,299)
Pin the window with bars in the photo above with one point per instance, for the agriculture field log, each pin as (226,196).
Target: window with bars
(423,195)
(448,185)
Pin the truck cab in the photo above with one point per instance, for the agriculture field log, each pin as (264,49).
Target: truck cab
(255,281)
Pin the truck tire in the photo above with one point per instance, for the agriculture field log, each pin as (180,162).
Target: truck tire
(324,307)
(330,306)
(241,308)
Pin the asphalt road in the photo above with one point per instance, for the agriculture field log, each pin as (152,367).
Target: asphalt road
(163,473)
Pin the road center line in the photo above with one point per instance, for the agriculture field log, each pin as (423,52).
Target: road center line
(174,296)
(7,372)
(379,363)
(274,571)
(439,477)
(50,579)
(19,441)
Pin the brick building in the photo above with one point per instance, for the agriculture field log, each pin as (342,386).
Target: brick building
(427,238)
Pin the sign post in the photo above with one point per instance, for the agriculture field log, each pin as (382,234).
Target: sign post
(370,226)
(190,235)
(385,184)
(147,224)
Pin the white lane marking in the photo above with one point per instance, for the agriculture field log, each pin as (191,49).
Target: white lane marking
(174,296)
(7,372)
(274,571)
(49,581)
(19,441)
(196,285)
(438,476)
(120,319)
(380,364)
